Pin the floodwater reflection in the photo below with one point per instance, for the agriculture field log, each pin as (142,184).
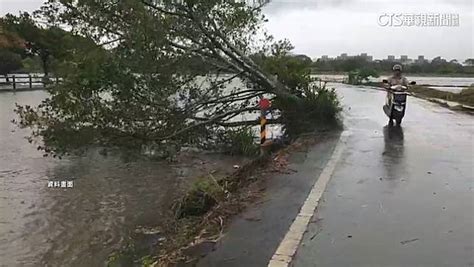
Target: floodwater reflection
(393,154)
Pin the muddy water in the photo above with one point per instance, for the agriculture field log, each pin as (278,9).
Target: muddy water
(80,226)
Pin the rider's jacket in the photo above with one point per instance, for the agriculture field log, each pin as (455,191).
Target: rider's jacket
(394,80)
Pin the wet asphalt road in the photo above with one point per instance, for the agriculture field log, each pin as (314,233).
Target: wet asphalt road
(400,196)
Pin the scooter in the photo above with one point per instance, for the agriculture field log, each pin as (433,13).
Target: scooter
(396,103)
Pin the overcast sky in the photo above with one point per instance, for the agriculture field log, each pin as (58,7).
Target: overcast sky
(332,27)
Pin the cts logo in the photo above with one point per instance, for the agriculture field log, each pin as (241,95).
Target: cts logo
(391,20)
(419,20)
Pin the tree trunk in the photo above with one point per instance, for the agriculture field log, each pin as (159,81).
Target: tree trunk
(45,67)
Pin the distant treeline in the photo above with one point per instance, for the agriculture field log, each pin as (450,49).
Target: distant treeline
(437,65)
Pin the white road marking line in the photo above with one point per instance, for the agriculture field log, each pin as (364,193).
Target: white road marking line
(290,243)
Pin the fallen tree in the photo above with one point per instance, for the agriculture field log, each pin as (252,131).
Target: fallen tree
(169,73)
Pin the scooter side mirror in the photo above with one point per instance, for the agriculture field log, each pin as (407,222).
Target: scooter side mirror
(413,83)
(384,81)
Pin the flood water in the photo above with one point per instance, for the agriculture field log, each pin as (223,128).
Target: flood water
(80,226)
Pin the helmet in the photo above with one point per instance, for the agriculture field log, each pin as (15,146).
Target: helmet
(397,67)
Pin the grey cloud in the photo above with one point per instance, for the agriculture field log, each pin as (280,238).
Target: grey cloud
(278,6)
(15,6)
(318,27)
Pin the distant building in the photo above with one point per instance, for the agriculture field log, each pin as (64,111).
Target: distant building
(391,58)
(343,56)
(366,57)
(324,58)
(404,59)
(420,60)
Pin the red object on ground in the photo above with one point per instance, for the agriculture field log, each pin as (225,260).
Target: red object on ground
(264,104)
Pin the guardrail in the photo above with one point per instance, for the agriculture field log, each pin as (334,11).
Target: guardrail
(26,82)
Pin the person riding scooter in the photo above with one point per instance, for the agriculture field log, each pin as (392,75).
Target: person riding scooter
(396,79)
(396,87)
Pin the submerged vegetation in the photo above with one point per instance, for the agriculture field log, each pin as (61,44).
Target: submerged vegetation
(360,76)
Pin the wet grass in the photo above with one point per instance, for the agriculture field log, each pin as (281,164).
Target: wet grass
(203,195)
(241,142)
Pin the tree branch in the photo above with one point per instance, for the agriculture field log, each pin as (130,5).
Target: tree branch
(248,123)
(209,121)
(162,10)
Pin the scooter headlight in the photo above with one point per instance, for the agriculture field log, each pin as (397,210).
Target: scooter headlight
(398,108)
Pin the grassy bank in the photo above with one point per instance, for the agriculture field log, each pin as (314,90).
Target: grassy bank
(465,97)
